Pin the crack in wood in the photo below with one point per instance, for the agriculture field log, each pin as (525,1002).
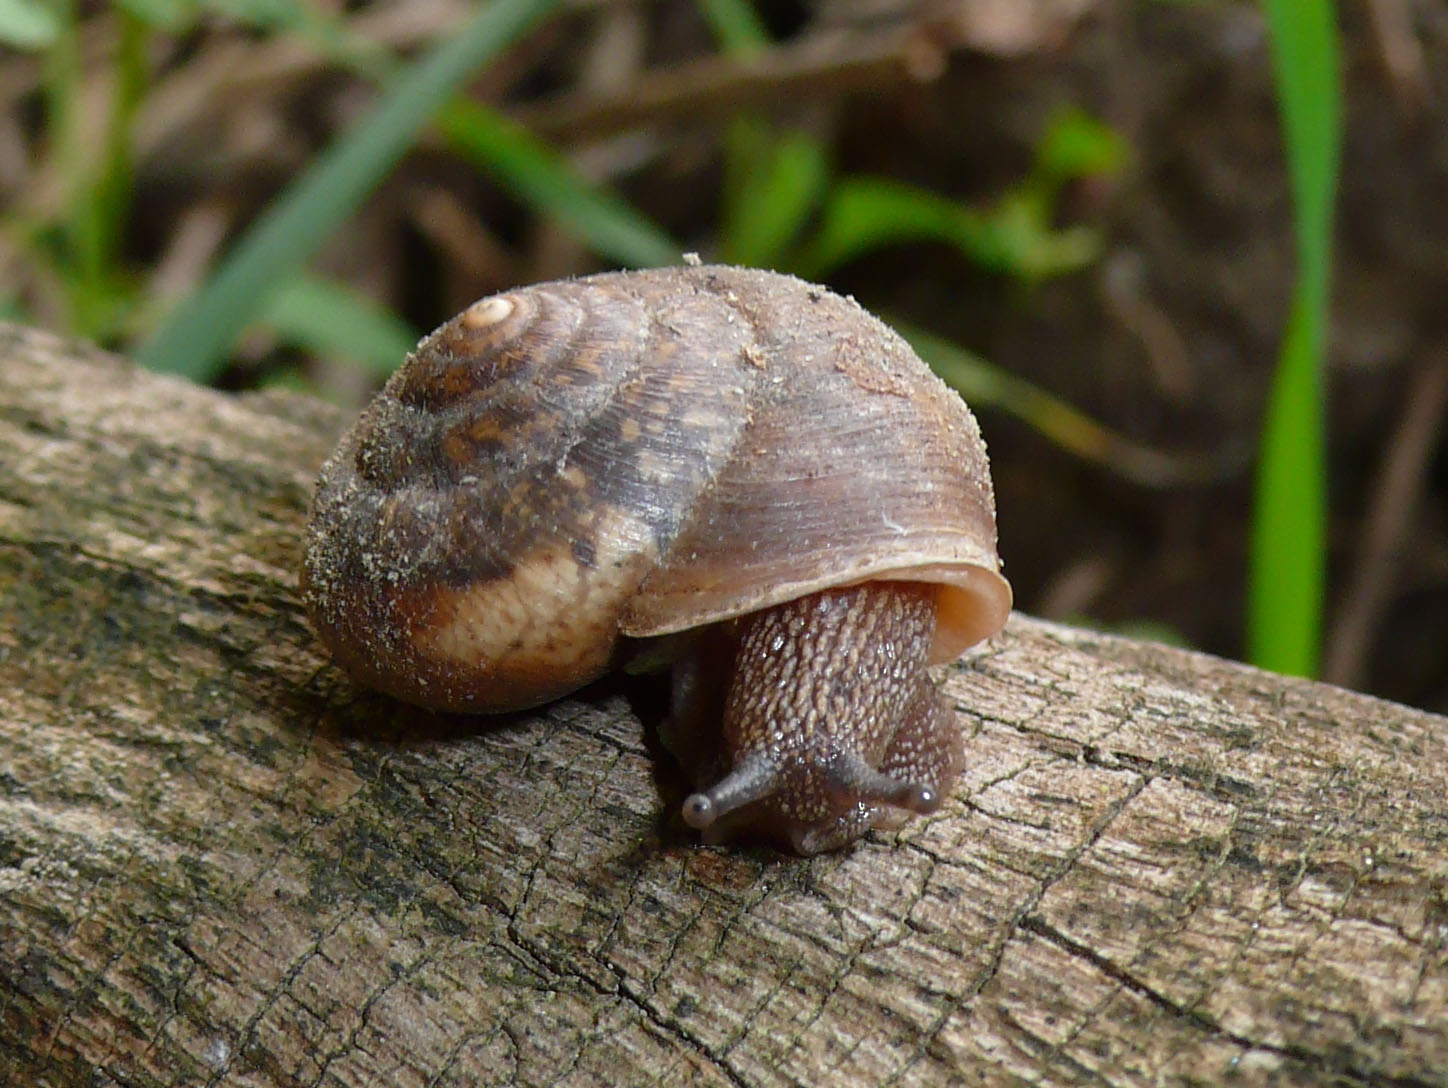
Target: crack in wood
(1199,1020)
(200,818)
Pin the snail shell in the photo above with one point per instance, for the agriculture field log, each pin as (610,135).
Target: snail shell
(564,470)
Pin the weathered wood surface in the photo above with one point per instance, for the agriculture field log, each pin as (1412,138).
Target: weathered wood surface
(221,865)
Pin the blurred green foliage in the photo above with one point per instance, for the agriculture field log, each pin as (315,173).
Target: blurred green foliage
(195,338)
(783,205)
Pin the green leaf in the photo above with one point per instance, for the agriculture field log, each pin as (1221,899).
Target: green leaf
(1016,238)
(28,24)
(1077,145)
(169,15)
(1289,527)
(327,318)
(736,25)
(195,339)
(540,177)
(862,214)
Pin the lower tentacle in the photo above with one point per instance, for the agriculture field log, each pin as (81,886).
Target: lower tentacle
(830,722)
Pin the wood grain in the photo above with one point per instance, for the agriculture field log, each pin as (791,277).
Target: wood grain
(220,864)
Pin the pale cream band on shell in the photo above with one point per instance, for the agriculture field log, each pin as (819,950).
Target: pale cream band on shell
(553,612)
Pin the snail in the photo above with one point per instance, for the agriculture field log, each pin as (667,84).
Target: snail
(731,472)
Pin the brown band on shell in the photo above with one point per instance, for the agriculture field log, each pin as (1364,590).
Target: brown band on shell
(745,438)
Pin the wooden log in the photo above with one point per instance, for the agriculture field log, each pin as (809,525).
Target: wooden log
(221,864)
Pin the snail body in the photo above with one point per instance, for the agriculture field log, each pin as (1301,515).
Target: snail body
(733,472)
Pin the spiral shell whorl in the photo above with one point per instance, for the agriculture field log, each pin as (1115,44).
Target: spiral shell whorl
(635,454)
(498,504)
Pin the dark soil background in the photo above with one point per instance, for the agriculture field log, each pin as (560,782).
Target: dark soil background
(1170,338)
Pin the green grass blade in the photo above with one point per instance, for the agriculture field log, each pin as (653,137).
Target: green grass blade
(1288,548)
(195,339)
(766,213)
(773,179)
(100,184)
(985,385)
(736,25)
(169,15)
(327,318)
(538,176)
